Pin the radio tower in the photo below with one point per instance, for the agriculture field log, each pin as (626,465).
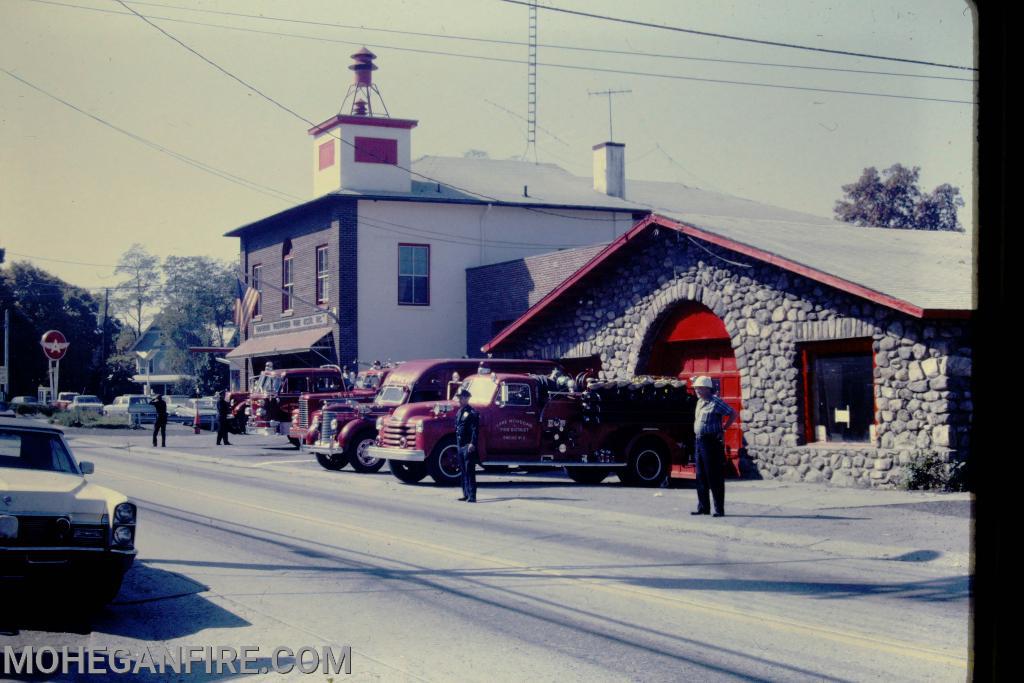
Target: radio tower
(531,85)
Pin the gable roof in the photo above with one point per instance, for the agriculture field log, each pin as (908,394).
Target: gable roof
(921,273)
(535,276)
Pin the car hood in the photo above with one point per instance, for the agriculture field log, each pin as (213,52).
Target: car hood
(36,492)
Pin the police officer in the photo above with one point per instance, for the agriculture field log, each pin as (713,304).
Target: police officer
(710,446)
(467,427)
(160,426)
(223,415)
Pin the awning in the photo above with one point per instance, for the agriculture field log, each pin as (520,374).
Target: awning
(158,379)
(276,344)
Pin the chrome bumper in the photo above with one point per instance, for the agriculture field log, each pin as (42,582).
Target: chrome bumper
(273,430)
(322,448)
(403,454)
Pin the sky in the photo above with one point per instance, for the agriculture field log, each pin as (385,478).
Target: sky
(75,190)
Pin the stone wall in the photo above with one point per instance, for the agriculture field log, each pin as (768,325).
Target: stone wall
(922,367)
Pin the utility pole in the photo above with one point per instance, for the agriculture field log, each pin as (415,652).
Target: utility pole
(7,355)
(609,93)
(103,359)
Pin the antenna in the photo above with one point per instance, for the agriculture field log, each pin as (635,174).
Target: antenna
(609,93)
(531,83)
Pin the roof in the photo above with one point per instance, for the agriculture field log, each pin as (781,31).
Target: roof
(922,273)
(289,342)
(538,274)
(20,423)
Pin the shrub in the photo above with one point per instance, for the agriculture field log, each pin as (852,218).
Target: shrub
(932,473)
(74,418)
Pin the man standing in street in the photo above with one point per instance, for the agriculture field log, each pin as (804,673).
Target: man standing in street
(467,425)
(223,415)
(160,426)
(710,446)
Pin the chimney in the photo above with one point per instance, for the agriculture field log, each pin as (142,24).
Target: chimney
(610,168)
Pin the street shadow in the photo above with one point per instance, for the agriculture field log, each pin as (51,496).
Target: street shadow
(814,517)
(508,498)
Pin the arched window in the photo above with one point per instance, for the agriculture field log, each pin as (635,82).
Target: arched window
(287,276)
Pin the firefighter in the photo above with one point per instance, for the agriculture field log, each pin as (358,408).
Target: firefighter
(160,425)
(710,446)
(467,426)
(223,415)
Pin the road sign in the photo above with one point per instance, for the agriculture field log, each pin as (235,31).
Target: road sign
(54,344)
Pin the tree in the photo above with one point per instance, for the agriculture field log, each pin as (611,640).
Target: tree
(894,200)
(140,289)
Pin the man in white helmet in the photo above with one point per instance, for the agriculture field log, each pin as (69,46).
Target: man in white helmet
(710,446)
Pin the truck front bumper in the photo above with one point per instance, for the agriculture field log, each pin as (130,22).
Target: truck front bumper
(322,448)
(403,454)
(272,428)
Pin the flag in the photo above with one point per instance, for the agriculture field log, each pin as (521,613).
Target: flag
(246,299)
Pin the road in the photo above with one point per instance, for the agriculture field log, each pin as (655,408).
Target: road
(542,580)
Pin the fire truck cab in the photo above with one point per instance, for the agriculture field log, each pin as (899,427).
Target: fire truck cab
(275,394)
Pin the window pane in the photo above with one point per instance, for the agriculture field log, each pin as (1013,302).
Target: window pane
(843,398)
(420,261)
(405,260)
(405,289)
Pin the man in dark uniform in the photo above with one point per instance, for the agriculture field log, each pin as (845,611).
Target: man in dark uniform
(223,415)
(160,426)
(467,426)
(710,446)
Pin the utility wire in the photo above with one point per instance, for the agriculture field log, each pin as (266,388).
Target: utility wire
(195,163)
(724,36)
(516,43)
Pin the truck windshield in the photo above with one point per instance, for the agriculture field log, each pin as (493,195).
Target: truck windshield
(481,390)
(392,395)
(267,384)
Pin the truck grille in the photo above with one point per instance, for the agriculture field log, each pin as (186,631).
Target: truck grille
(326,432)
(304,413)
(35,531)
(393,435)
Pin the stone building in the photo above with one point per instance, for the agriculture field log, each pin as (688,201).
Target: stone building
(847,350)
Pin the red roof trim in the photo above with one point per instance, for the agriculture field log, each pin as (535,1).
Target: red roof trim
(330,123)
(761,255)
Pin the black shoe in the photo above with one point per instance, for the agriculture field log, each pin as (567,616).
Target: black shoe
(463,498)
(698,511)
(718,514)
(471,500)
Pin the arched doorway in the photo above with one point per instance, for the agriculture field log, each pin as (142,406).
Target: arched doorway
(693,341)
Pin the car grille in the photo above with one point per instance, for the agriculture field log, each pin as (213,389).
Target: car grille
(35,531)
(304,413)
(398,435)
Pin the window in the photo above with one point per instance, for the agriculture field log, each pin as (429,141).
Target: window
(326,152)
(287,277)
(515,394)
(838,390)
(376,150)
(257,283)
(413,274)
(321,275)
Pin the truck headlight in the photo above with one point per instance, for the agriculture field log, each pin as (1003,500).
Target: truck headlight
(124,535)
(124,514)
(419,427)
(380,424)
(263,412)
(334,425)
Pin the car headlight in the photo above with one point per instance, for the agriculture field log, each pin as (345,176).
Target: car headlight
(124,514)
(419,427)
(380,424)
(124,535)
(334,425)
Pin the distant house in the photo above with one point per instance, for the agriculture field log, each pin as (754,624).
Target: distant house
(153,372)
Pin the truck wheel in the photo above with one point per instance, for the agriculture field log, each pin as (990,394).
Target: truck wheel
(295,442)
(648,465)
(407,472)
(586,475)
(443,463)
(356,453)
(331,461)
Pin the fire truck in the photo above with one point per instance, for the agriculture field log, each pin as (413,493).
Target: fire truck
(641,430)
(361,388)
(275,394)
(348,429)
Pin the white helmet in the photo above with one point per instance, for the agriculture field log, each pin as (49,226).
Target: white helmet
(703,381)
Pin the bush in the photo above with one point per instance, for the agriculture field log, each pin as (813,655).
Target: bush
(76,418)
(931,473)
(33,410)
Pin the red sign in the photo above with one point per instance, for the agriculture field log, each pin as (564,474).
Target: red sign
(54,344)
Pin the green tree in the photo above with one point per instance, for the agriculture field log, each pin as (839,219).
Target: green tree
(140,287)
(893,199)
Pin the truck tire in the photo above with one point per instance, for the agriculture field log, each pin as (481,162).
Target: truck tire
(295,443)
(356,453)
(586,475)
(408,472)
(443,463)
(332,461)
(647,466)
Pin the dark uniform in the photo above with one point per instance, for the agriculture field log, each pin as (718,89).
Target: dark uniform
(160,426)
(223,415)
(467,428)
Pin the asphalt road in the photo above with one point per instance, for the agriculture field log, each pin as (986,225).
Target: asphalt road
(542,580)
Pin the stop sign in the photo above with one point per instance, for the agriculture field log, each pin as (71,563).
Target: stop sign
(54,344)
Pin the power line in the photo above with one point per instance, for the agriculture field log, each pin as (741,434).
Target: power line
(57,260)
(513,43)
(725,36)
(195,163)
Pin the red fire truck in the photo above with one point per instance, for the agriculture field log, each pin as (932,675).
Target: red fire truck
(275,394)
(347,430)
(641,430)
(361,388)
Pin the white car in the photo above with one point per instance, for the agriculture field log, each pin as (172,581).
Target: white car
(86,403)
(132,404)
(55,525)
(186,414)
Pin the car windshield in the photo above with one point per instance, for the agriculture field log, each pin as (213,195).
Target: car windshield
(28,450)
(136,400)
(392,395)
(87,399)
(66,395)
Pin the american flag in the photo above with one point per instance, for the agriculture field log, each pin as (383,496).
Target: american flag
(246,298)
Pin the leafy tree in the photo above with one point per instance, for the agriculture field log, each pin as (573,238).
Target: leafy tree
(894,200)
(140,288)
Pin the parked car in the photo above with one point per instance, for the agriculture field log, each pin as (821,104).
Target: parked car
(64,399)
(136,405)
(186,414)
(24,405)
(55,525)
(86,403)
(6,410)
